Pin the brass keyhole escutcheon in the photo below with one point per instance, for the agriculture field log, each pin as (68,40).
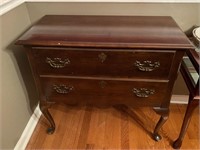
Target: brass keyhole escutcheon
(102,57)
(102,84)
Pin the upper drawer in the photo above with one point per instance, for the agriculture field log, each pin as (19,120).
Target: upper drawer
(102,62)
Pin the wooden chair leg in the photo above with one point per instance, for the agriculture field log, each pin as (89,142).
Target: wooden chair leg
(190,109)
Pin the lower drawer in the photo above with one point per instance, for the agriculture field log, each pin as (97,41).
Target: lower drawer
(105,92)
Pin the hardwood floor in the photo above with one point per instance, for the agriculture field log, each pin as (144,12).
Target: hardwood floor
(112,128)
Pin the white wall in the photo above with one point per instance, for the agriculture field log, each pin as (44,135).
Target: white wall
(1,101)
(184,14)
(199,14)
(15,109)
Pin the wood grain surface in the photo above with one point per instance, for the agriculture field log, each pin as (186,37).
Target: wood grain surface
(106,31)
(112,128)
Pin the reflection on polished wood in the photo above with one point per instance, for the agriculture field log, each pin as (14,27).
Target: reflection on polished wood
(112,128)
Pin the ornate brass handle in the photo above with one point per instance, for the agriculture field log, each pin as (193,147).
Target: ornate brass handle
(62,89)
(143,92)
(147,65)
(102,57)
(57,62)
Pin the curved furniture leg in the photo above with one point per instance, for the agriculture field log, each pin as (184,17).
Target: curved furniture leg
(164,116)
(190,109)
(44,105)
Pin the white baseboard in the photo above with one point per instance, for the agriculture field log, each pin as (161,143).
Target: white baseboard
(179,99)
(26,135)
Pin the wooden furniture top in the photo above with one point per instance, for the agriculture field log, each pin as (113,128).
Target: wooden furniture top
(106,31)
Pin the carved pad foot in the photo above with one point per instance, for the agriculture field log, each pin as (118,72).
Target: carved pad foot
(50,130)
(157,137)
(177,144)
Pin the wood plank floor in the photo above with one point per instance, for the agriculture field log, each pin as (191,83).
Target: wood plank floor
(111,128)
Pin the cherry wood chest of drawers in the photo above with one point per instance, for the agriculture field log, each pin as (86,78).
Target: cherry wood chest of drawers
(109,60)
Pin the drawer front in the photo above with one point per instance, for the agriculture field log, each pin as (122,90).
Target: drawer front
(115,63)
(109,92)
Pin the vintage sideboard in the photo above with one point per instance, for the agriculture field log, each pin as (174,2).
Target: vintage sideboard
(105,60)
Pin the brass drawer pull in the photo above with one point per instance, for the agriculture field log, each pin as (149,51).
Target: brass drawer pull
(62,89)
(143,92)
(147,65)
(102,57)
(57,62)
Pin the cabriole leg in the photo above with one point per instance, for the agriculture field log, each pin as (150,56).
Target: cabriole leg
(44,105)
(164,116)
